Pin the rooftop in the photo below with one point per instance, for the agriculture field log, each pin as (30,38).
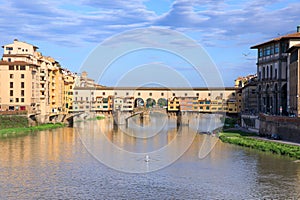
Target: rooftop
(295,35)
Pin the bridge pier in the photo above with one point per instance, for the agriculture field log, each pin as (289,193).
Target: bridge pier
(120,117)
(184,118)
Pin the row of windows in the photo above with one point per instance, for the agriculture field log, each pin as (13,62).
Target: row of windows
(267,72)
(11,84)
(150,94)
(12,75)
(17,100)
(19,48)
(268,50)
(11,93)
(17,67)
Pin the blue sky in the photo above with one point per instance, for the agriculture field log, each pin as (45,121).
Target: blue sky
(70,30)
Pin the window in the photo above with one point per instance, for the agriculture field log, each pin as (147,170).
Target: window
(11,100)
(11,76)
(185,94)
(260,53)
(209,94)
(22,67)
(22,75)
(139,94)
(9,48)
(9,59)
(116,93)
(22,99)
(127,93)
(87,99)
(11,85)
(103,93)
(22,85)
(173,94)
(76,93)
(11,93)
(17,100)
(11,67)
(150,94)
(22,93)
(92,93)
(197,94)
(276,48)
(162,94)
(275,74)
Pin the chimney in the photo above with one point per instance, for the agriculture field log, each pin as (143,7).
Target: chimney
(298,29)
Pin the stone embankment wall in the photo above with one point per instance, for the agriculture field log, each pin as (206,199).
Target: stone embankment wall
(288,128)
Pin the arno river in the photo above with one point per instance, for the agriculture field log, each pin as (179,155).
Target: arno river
(76,163)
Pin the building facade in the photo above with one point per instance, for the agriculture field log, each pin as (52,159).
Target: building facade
(31,82)
(294,80)
(272,72)
(249,97)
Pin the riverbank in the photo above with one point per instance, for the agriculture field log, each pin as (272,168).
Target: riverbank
(25,130)
(246,139)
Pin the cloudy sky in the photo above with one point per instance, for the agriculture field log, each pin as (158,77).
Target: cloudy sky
(70,30)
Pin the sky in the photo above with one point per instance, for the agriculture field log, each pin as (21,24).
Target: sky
(70,31)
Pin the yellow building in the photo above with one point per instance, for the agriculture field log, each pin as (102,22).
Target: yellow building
(69,81)
(173,104)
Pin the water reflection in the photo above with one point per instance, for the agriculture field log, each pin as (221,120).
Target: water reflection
(119,149)
(55,165)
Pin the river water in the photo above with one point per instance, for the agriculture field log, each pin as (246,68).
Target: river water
(79,163)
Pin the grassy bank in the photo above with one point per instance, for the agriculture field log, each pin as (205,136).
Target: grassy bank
(13,121)
(26,130)
(243,139)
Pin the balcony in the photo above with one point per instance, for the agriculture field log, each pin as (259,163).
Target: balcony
(42,96)
(42,74)
(42,89)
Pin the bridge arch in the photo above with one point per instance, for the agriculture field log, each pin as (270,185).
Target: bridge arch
(139,102)
(162,103)
(150,103)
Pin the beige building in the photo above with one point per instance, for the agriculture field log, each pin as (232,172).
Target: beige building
(31,82)
(19,78)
